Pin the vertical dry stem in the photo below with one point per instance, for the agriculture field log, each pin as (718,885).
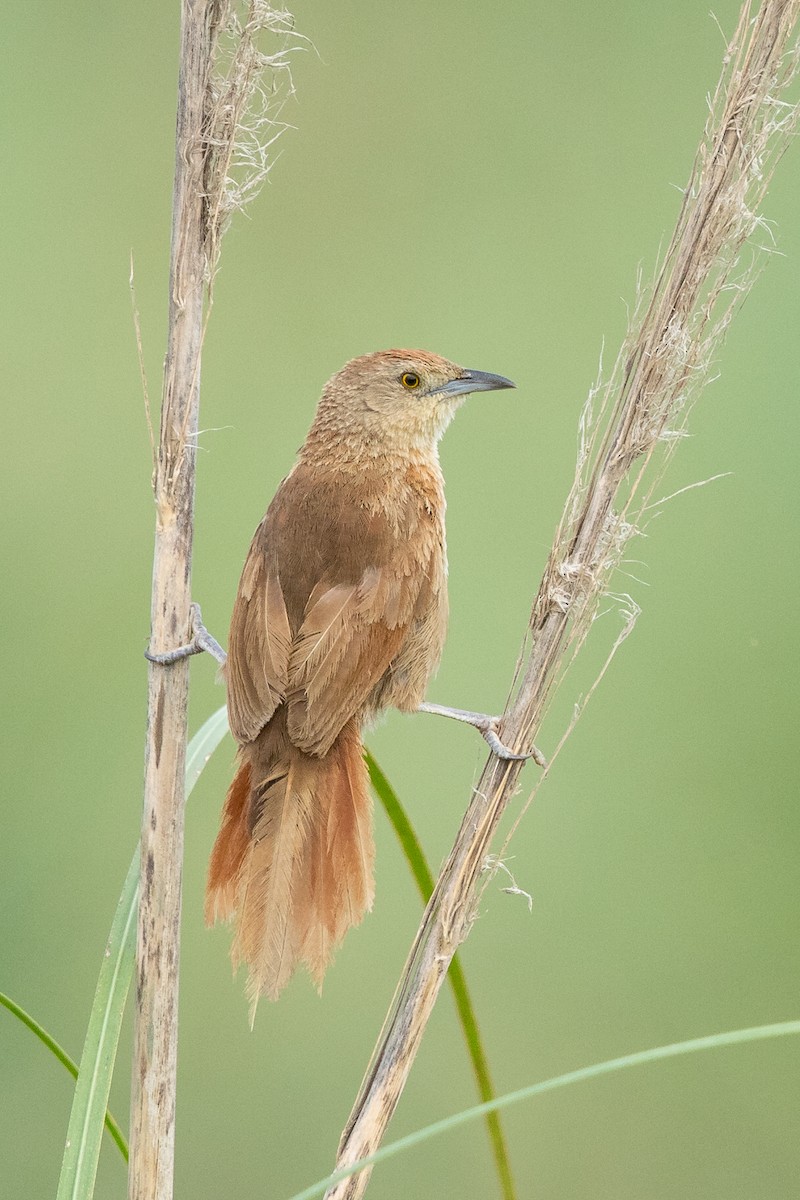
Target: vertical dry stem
(158,939)
(643,407)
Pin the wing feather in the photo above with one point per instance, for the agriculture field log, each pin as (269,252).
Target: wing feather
(259,645)
(346,643)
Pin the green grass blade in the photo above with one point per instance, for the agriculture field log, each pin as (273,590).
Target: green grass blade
(82,1150)
(60,1053)
(675,1049)
(466,1013)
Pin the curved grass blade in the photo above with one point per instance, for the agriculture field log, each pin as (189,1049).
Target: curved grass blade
(466,1013)
(68,1061)
(674,1050)
(82,1150)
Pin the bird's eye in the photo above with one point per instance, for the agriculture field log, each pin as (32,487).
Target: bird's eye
(409,380)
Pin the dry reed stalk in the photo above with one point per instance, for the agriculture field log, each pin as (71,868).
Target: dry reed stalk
(641,410)
(224,130)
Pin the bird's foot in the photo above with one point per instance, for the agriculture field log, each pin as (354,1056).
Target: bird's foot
(201,640)
(488,728)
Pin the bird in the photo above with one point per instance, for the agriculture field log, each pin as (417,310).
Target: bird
(341,613)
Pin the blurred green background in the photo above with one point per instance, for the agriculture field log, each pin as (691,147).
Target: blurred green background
(481,182)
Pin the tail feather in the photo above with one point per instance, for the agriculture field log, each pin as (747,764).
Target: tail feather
(350,843)
(293,858)
(340,856)
(316,928)
(230,849)
(265,935)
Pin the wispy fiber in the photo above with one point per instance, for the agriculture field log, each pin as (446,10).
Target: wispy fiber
(250,83)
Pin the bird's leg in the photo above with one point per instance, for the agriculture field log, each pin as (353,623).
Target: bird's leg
(201,640)
(487,727)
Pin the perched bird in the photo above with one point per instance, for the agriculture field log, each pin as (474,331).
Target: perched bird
(341,612)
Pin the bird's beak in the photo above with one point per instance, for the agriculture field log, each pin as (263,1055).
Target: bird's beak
(475,381)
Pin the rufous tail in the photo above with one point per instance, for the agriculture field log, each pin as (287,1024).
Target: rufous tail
(294,855)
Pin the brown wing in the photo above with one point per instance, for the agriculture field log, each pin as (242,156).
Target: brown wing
(259,645)
(350,635)
(332,585)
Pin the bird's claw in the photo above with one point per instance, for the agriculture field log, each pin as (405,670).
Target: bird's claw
(488,731)
(201,640)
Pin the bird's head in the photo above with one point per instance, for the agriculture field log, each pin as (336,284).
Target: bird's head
(398,399)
